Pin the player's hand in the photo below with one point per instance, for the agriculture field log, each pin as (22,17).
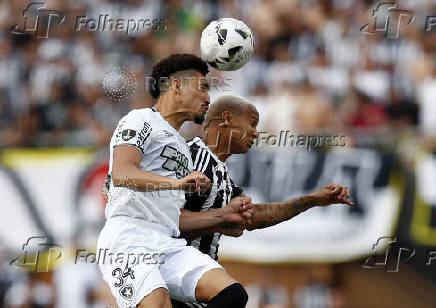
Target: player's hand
(332,194)
(238,211)
(196,181)
(235,231)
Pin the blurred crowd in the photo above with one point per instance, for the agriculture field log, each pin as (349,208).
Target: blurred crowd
(311,63)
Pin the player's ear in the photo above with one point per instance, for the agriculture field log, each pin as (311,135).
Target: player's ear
(175,85)
(227,117)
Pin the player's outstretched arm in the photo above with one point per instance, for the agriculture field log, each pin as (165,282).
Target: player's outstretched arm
(126,173)
(225,220)
(269,214)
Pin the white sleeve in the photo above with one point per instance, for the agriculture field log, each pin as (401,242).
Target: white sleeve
(134,129)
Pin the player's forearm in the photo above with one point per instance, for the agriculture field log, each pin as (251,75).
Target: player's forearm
(196,221)
(132,177)
(197,224)
(192,235)
(269,214)
(193,225)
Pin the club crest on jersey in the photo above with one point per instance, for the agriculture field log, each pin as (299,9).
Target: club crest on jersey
(127,292)
(176,161)
(128,134)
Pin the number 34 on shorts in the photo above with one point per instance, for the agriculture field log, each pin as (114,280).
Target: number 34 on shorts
(126,290)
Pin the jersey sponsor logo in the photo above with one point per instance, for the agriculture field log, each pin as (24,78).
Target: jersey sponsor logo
(167,133)
(176,162)
(128,134)
(143,134)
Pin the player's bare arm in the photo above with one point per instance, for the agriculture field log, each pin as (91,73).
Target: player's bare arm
(224,220)
(126,173)
(269,214)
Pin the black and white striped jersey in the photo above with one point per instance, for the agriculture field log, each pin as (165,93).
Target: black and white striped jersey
(221,191)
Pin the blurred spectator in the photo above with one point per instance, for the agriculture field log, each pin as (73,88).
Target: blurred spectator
(319,290)
(313,70)
(51,93)
(267,293)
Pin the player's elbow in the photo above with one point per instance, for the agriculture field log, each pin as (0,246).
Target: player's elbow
(116,181)
(120,180)
(122,174)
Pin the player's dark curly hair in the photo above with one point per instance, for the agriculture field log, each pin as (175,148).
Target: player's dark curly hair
(173,64)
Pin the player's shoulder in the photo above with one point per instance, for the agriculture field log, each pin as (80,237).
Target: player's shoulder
(202,156)
(141,113)
(196,143)
(147,117)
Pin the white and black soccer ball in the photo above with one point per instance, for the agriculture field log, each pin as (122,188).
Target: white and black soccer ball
(227,44)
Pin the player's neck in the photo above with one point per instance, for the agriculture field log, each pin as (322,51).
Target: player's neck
(219,146)
(174,118)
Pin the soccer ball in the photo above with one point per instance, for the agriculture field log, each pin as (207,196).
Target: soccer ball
(226,44)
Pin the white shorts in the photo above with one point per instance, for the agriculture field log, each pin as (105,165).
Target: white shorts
(137,257)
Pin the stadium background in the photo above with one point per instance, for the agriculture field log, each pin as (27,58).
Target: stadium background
(313,73)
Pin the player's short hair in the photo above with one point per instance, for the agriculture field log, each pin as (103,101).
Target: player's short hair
(171,65)
(233,103)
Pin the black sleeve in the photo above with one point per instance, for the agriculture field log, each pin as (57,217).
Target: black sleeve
(195,201)
(236,190)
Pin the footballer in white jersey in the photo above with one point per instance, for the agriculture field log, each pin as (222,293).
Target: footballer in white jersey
(138,251)
(164,152)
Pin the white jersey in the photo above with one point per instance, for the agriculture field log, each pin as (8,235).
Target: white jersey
(163,152)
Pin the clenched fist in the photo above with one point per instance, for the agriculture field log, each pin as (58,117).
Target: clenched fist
(332,194)
(236,213)
(196,181)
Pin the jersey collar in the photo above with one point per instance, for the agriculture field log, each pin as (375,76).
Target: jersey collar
(199,141)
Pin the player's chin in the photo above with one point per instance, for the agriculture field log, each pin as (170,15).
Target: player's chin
(248,145)
(243,149)
(247,149)
(199,118)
